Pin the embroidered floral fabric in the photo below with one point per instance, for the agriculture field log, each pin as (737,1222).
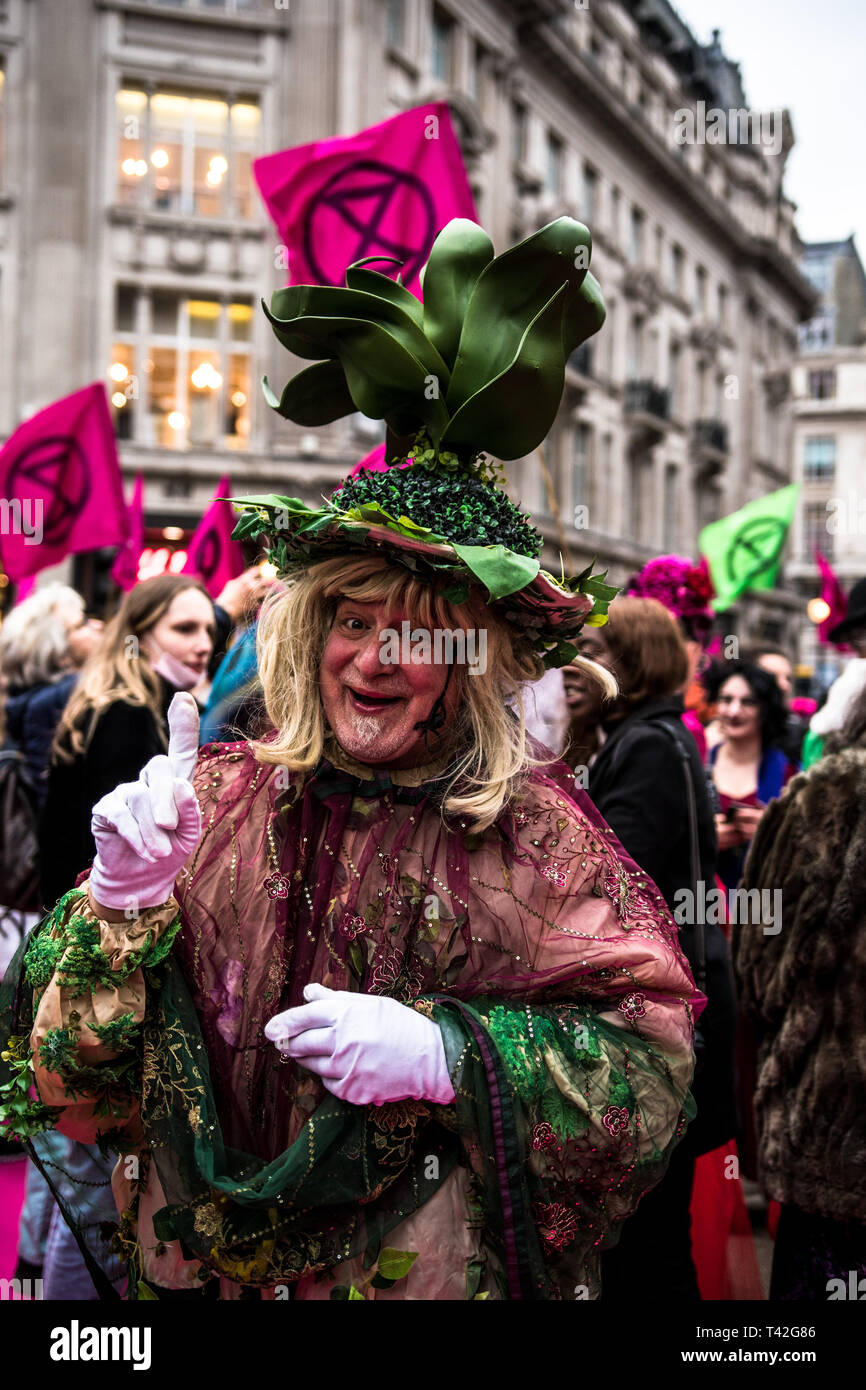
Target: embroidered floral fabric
(547,958)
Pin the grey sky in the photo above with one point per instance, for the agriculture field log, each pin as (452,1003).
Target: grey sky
(808,56)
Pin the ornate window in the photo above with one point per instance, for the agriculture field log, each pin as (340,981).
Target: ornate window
(180,372)
(819,457)
(187,153)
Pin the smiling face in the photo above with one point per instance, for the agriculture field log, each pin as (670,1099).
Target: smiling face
(583,695)
(185,631)
(738,710)
(373,705)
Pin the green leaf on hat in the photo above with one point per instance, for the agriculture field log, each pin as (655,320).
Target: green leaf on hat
(299,316)
(501,571)
(458,255)
(510,292)
(385,379)
(373,282)
(535,376)
(270,500)
(584,314)
(316,396)
(375,515)
(560,655)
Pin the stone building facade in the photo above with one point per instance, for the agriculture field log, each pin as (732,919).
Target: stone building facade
(829,436)
(133,246)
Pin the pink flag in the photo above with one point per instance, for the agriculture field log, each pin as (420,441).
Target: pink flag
(386,191)
(212,554)
(25,588)
(124,571)
(60,484)
(834,595)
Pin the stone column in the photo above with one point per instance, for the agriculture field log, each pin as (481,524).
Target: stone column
(58,265)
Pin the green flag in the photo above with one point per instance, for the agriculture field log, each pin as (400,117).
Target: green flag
(744,549)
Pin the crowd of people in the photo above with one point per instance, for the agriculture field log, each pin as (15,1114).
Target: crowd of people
(687,763)
(346,975)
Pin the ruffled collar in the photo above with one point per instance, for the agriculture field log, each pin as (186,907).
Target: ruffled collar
(400,777)
(339,772)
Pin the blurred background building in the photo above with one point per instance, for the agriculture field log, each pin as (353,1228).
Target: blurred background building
(829,388)
(133,245)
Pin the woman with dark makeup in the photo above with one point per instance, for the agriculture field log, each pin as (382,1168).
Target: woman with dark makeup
(749,767)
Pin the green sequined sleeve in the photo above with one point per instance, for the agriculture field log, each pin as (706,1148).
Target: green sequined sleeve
(82,994)
(566,1120)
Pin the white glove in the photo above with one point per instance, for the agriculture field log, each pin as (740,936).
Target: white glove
(367,1049)
(146,830)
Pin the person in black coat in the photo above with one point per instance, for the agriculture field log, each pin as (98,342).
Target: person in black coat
(159,642)
(44,641)
(638,782)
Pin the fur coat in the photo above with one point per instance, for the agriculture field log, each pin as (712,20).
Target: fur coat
(805,987)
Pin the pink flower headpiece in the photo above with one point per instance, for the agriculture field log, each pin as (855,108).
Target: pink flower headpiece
(684,588)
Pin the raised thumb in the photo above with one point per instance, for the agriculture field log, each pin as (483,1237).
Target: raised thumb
(182,734)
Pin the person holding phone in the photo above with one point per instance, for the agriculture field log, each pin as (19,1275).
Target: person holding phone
(748,766)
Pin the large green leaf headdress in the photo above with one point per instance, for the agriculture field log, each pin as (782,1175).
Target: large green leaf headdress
(477,369)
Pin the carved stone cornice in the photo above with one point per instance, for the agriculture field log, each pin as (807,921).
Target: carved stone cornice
(643,284)
(777,387)
(707,339)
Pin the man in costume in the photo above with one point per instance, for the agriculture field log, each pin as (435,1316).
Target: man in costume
(378,1003)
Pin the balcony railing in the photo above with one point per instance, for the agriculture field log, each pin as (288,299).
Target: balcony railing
(711,434)
(645,398)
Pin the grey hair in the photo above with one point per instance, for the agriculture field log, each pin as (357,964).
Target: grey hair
(34,639)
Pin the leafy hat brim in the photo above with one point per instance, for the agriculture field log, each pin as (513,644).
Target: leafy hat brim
(547,611)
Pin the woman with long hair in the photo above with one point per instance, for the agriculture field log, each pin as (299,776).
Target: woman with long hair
(685,589)
(749,767)
(648,783)
(159,642)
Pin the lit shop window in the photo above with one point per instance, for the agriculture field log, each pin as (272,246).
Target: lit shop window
(180,371)
(186,154)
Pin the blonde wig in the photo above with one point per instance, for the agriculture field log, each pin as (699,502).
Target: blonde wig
(119,669)
(487,740)
(34,639)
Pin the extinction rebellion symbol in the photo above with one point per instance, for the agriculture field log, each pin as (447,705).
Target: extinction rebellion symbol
(376,202)
(53,469)
(753,549)
(207,554)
